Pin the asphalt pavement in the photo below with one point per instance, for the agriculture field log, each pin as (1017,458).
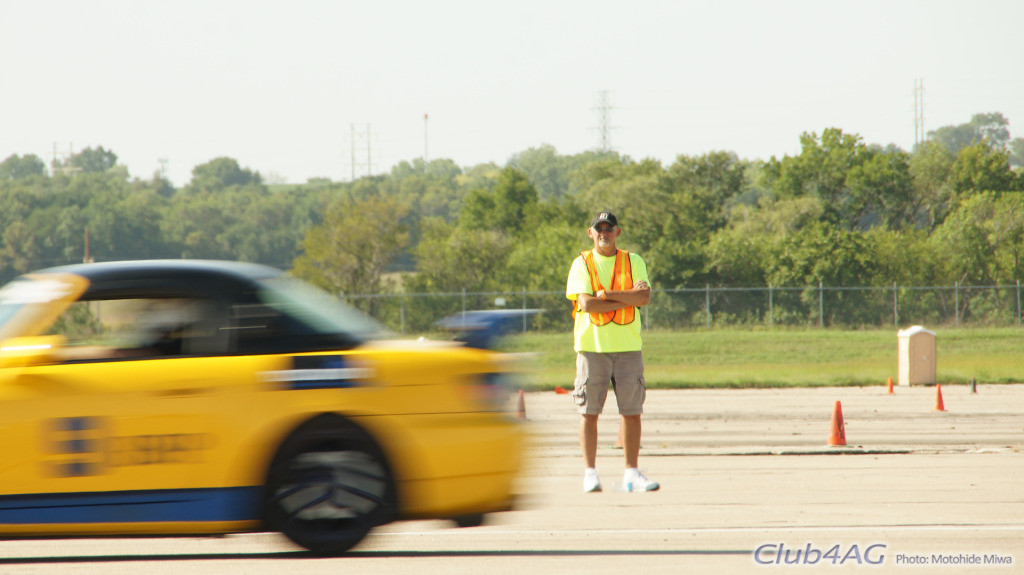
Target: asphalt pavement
(749,485)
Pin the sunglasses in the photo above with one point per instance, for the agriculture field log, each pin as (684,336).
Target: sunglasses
(604,229)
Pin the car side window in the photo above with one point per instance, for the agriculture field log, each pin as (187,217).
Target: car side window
(142,328)
(265,328)
(255,327)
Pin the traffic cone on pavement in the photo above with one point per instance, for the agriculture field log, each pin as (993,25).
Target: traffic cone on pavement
(837,436)
(521,410)
(939,406)
(561,390)
(890,386)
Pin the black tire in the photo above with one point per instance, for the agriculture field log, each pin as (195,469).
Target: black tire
(328,485)
(471,520)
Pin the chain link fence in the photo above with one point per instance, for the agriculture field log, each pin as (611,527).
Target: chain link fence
(708,307)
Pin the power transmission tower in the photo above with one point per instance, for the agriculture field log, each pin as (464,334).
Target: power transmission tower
(918,112)
(361,142)
(603,106)
(62,162)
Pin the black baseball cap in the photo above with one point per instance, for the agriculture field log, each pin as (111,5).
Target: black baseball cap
(606,217)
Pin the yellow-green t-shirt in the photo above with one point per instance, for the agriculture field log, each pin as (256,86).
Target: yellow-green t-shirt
(611,337)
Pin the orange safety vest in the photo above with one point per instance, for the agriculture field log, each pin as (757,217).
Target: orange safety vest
(622,279)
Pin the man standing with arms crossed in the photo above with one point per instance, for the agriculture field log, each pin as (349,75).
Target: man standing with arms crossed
(607,286)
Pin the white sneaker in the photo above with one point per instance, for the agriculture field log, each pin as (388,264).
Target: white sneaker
(591,482)
(634,480)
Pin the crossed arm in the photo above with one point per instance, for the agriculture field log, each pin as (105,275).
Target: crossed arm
(638,296)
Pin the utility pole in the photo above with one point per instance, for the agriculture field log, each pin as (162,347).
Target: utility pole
(87,257)
(918,112)
(603,106)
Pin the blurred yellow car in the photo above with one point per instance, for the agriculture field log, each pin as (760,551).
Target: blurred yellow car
(198,397)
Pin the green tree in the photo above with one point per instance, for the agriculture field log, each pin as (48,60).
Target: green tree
(429,190)
(821,170)
(161,185)
(194,224)
(1016,149)
(980,243)
(545,169)
(480,176)
(92,160)
(16,168)
(714,181)
(978,168)
(740,253)
(504,208)
(955,138)
(353,246)
(452,258)
(19,252)
(930,166)
(859,185)
(991,130)
(905,256)
(883,186)
(123,222)
(551,173)
(270,230)
(221,173)
(831,256)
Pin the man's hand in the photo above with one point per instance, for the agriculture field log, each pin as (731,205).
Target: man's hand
(640,295)
(610,300)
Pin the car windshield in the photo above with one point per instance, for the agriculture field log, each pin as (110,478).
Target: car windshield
(7,311)
(22,299)
(318,309)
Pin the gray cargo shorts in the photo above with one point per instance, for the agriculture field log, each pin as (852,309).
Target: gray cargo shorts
(594,372)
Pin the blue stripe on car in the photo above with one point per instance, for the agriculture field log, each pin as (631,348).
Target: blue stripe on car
(150,506)
(319,372)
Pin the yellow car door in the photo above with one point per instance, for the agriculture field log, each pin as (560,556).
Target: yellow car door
(126,428)
(113,427)
(128,445)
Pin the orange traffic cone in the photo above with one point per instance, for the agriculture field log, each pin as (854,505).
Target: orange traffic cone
(561,390)
(890,385)
(939,406)
(618,442)
(838,435)
(521,410)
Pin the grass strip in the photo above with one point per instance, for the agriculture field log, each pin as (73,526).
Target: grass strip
(785,357)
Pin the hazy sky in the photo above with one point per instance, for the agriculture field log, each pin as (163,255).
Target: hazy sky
(279,85)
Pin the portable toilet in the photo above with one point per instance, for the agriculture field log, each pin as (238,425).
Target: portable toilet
(916,348)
